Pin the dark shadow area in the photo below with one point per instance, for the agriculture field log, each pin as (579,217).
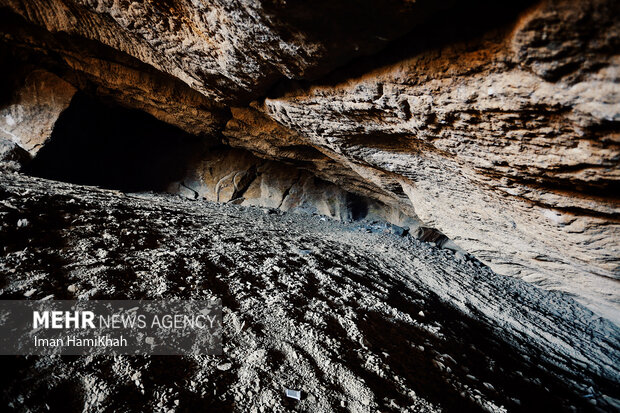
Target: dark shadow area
(358,206)
(10,80)
(427,234)
(438,26)
(95,143)
(393,142)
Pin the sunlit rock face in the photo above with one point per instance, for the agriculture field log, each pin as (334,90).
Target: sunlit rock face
(496,124)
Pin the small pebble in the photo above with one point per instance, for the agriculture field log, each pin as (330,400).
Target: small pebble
(224,366)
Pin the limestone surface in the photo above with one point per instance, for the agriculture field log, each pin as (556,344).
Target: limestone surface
(508,144)
(29,119)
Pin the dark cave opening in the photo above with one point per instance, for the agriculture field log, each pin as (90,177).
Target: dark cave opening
(105,145)
(358,206)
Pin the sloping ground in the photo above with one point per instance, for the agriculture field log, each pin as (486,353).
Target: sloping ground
(360,321)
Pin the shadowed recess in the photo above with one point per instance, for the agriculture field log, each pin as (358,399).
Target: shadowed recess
(94,143)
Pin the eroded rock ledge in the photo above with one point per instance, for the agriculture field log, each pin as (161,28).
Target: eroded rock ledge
(509,148)
(497,124)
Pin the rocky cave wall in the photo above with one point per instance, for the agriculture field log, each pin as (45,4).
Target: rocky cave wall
(237,176)
(495,123)
(88,141)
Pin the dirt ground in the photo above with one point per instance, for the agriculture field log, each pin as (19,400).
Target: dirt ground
(355,317)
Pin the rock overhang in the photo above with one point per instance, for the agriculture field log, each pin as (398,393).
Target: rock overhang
(506,140)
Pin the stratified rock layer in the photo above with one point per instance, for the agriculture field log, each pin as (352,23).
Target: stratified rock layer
(253,130)
(229,50)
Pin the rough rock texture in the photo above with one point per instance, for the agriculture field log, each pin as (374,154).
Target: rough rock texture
(229,50)
(29,118)
(358,321)
(225,175)
(252,130)
(509,144)
(12,156)
(495,122)
(108,73)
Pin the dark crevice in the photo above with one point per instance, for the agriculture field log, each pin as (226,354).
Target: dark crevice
(244,182)
(285,195)
(393,142)
(306,152)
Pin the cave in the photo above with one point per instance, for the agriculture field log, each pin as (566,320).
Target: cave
(106,145)
(371,206)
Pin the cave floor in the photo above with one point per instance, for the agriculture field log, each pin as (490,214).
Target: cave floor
(357,321)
